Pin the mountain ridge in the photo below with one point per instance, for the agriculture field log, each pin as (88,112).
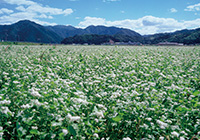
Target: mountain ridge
(69,31)
(29,31)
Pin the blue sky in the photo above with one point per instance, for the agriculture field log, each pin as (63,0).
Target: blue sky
(142,16)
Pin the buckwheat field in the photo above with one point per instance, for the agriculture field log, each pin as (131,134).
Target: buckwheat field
(100,92)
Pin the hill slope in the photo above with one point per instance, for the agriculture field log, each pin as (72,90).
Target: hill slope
(182,36)
(69,31)
(28,31)
(100,39)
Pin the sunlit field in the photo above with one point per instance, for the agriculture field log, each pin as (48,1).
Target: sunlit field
(100,92)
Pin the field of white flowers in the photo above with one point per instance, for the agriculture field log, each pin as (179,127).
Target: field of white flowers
(99,92)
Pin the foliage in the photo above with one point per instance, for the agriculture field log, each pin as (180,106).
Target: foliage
(184,36)
(20,43)
(99,92)
(100,39)
(90,39)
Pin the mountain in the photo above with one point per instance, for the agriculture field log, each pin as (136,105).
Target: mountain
(27,31)
(103,30)
(183,36)
(99,39)
(66,31)
(89,39)
(69,31)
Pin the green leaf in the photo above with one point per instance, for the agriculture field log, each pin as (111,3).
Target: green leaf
(117,118)
(72,130)
(196,93)
(34,132)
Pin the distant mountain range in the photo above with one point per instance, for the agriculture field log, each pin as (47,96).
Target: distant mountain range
(69,31)
(183,36)
(28,31)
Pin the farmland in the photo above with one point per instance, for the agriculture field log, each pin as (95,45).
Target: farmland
(99,92)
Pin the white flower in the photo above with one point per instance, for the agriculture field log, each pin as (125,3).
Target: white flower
(161,138)
(101,106)
(56,124)
(96,120)
(127,138)
(96,135)
(78,100)
(7,102)
(175,134)
(53,136)
(182,138)
(162,75)
(97,95)
(35,93)
(47,80)
(4,73)
(34,127)
(5,110)
(73,118)
(99,114)
(25,106)
(162,124)
(56,92)
(148,119)
(37,103)
(65,131)
(16,82)
(1,133)
(169,121)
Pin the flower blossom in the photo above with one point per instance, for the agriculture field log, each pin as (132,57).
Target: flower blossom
(73,118)
(175,134)
(7,102)
(162,124)
(127,138)
(35,93)
(65,131)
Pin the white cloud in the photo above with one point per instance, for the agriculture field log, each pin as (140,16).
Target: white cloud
(195,7)
(122,12)
(173,10)
(20,8)
(37,8)
(67,11)
(27,9)
(92,21)
(144,25)
(45,16)
(5,11)
(15,17)
(20,2)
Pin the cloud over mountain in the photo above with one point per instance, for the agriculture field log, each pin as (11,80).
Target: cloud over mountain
(144,25)
(26,9)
